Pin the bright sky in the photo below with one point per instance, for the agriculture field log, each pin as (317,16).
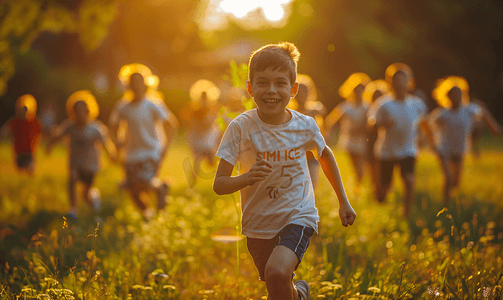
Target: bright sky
(275,12)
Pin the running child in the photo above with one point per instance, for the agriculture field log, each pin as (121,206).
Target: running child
(373,91)
(25,130)
(86,135)
(145,144)
(203,132)
(397,117)
(306,102)
(270,142)
(452,123)
(352,115)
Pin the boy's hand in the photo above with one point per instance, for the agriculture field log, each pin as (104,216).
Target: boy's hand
(258,172)
(347,214)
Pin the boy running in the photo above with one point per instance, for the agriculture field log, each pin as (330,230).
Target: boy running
(145,145)
(397,118)
(25,130)
(452,123)
(352,115)
(85,156)
(270,142)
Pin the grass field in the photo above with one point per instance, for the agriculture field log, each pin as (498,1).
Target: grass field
(437,254)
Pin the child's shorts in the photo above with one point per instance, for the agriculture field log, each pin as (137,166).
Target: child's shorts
(141,171)
(407,166)
(85,176)
(24,160)
(294,237)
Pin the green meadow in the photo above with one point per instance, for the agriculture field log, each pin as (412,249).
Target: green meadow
(192,250)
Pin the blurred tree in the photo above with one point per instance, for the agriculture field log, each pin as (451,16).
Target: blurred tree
(22,21)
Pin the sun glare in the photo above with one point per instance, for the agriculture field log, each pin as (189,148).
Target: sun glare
(249,14)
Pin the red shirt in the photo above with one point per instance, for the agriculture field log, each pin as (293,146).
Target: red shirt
(25,134)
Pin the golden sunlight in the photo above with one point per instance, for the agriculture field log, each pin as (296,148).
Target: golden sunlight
(248,14)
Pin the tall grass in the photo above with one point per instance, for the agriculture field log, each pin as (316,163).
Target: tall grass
(452,253)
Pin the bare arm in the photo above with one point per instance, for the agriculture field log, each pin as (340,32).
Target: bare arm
(331,170)
(170,128)
(493,125)
(425,127)
(5,130)
(333,118)
(225,183)
(56,136)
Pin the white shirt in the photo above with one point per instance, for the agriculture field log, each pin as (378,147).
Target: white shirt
(453,127)
(398,124)
(144,139)
(286,196)
(353,134)
(85,152)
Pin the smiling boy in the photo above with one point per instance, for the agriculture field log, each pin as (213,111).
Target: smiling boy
(277,198)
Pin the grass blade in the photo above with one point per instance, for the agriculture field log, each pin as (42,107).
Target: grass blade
(452,291)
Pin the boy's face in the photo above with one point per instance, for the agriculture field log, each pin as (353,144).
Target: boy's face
(271,90)
(400,82)
(137,85)
(455,95)
(81,111)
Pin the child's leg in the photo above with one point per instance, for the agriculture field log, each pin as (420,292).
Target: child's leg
(446,170)
(278,274)
(407,166)
(456,167)
(136,193)
(358,162)
(72,182)
(385,171)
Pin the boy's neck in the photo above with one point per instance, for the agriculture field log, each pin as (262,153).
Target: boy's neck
(276,120)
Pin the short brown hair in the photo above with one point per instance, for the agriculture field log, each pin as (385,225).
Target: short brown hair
(283,56)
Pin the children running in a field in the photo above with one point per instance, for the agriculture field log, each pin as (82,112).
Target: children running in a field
(145,143)
(452,123)
(86,134)
(270,142)
(25,130)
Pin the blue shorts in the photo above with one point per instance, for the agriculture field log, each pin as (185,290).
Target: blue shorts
(294,237)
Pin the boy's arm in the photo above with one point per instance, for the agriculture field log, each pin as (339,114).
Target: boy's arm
(57,136)
(5,130)
(170,127)
(331,170)
(493,125)
(225,183)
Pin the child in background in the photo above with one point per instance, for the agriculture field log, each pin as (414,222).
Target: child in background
(306,102)
(25,130)
(373,91)
(277,197)
(352,115)
(452,123)
(397,117)
(199,117)
(119,134)
(145,145)
(86,134)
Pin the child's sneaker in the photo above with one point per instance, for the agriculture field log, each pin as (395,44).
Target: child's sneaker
(302,288)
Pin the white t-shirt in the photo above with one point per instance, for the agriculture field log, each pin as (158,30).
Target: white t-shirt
(353,134)
(453,127)
(144,139)
(85,152)
(398,124)
(286,196)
